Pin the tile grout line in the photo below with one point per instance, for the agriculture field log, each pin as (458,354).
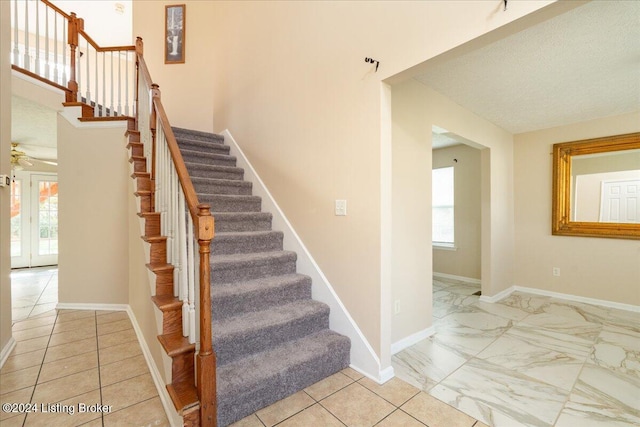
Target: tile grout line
(35,385)
(99,367)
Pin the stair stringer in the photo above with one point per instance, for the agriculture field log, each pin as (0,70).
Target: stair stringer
(161,372)
(179,391)
(363,358)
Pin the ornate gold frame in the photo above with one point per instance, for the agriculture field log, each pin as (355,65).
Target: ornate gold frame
(562,153)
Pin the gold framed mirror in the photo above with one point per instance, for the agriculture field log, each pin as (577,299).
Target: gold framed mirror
(596,187)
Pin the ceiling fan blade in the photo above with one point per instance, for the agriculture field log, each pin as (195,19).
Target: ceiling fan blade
(24,162)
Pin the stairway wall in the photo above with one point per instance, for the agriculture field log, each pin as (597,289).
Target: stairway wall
(363,356)
(93,176)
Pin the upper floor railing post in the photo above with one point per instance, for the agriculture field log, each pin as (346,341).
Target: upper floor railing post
(74,27)
(206,360)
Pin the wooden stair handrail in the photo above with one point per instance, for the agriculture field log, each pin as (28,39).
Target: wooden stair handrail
(99,48)
(204,224)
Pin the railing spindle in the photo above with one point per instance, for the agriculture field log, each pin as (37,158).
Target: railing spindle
(113,113)
(46,42)
(26,64)
(88,94)
(37,65)
(16,50)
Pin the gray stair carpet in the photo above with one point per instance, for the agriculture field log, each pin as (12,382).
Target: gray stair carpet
(271,339)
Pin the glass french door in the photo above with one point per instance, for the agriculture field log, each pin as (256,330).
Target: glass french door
(34,220)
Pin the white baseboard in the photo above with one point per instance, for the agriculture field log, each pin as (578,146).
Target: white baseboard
(576,298)
(91,306)
(362,354)
(568,297)
(6,351)
(167,404)
(412,339)
(454,277)
(383,376)
(497,297)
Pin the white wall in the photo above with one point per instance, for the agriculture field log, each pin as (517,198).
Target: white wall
(465,260)
(93,179)
(607,269)
(5,168)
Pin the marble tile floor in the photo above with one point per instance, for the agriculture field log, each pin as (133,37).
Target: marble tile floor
(33,291)
(528,360)
(65,359)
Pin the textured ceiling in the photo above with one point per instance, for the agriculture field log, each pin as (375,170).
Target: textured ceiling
(578,66)
(33,127)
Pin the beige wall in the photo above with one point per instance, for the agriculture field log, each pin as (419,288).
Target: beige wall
(465,260)
(289,80)
(607,269)
(93,177)
(587,193)
(416,108)
(187,93)
(5,168)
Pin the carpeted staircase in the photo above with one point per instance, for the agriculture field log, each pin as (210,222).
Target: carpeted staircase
(271,339)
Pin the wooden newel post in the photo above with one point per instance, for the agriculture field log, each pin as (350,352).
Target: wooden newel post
(206,360)
(75,24)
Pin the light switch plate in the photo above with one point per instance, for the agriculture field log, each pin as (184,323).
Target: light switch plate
(341,207)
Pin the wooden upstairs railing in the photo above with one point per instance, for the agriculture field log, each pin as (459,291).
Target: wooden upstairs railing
(114,82)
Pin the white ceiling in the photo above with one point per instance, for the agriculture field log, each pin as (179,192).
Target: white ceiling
(578,66)
(33,127)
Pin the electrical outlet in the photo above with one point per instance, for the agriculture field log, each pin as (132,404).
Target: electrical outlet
(556,271)
(341,207)
(396,307)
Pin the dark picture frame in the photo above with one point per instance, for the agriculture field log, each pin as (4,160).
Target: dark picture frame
(174,33)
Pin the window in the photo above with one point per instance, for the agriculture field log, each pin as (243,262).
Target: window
(442,210)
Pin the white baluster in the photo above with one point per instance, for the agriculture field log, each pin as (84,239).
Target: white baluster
(64,52)
(113,113)
(16,49)
(55,48)
(184,285)
(97,92)
(88,76)
(37,37)
(119,83)
(79,69)
(191,269)
(126,84)
(46,42)
(104,85)
(26,36)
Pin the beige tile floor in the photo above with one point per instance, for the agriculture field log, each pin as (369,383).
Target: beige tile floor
(33,291)
(349,399)
(70,360)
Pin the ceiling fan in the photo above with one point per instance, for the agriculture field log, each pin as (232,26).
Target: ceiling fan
(20,159)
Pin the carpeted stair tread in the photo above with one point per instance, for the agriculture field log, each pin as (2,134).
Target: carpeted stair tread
(207,146)
(231,202)
(256,331)
(232,242)
(203,170)
(242,221)
(249,266)
(226,261)
(251,383)
(197,135)
(229,300)
(208,158)
(221,186)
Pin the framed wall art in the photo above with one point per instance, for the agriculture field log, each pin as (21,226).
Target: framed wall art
(174,30)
